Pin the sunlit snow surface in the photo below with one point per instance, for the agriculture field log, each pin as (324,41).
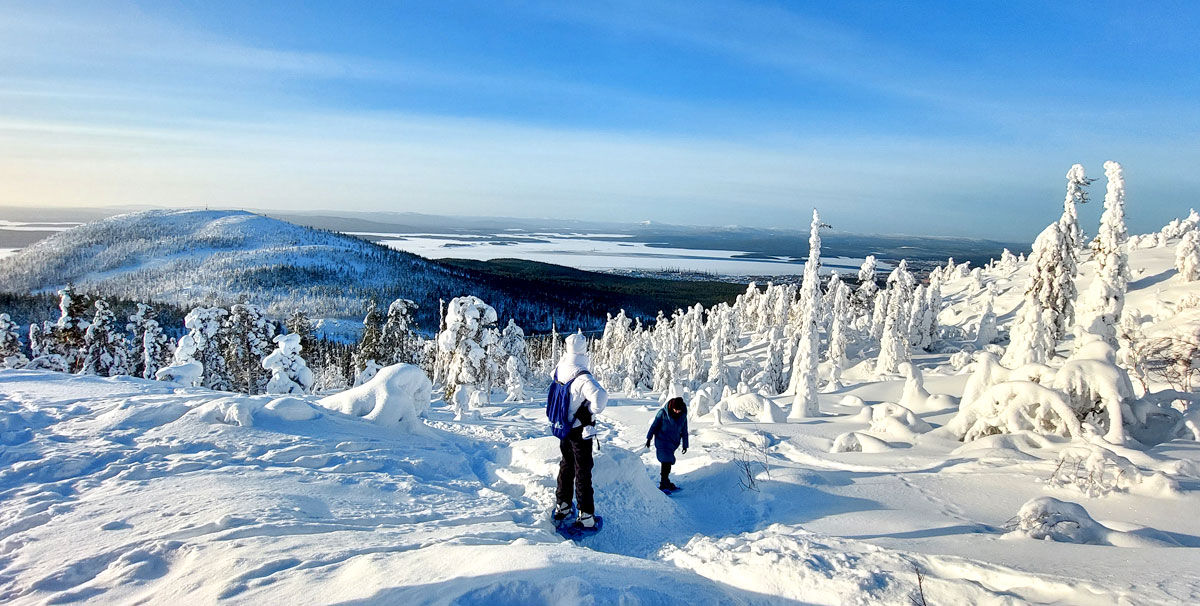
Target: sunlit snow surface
(601,252)
(119,491)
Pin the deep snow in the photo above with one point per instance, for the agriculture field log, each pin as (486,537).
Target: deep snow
(132,491)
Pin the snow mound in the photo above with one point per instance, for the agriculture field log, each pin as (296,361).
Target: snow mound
(291,409)
(854,441)
(753,406)
(1049,519)
(394,397)
(892,419)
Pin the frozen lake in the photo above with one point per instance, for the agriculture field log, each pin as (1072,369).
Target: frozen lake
(602,252)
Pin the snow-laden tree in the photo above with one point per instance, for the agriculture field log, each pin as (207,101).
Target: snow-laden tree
(515,383)
(804,366)
(246,340)
(198,360)
(106,349)
(463,341)
(986,332)
(299,324)
(1033,334)
(919,319)
(1071,243)
(65,337)
(369,356)
(289,371)
(11,355)
(639,359)
(1077,183)
(831,290)
(138,323)
(879,314)
(398,341)
(866,281)
(1187,256)
(772,379)
(512,342)
(839,333)
(1106,296)
(155,349)
(893,341)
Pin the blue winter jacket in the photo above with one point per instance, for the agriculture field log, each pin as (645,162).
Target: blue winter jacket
(667,432)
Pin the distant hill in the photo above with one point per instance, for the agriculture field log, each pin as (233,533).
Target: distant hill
(192,257)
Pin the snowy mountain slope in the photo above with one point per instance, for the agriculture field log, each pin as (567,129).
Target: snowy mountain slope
(123,490)
(191,257)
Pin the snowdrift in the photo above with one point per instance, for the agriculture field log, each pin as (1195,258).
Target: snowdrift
(394,397)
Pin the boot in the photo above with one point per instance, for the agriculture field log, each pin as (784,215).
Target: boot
(586,520)
(561,511)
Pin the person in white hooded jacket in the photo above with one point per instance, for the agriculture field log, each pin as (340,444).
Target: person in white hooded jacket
(588,399)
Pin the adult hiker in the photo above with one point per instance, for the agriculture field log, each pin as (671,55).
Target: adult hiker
(575,398)
(668,430)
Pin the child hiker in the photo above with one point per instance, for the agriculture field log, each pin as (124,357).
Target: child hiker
(668,430)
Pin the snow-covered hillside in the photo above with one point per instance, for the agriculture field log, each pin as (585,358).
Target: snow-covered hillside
(192,257)
(117,490)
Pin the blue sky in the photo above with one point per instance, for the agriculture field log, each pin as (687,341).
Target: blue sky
(952,118)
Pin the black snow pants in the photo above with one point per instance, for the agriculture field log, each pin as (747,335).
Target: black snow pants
(575,471)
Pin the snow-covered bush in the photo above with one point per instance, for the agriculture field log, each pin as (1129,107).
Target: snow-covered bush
(1047,518)
(893,420)
(1097,471)
(1098,390)
(289,372)
(1014,406)
(915,396)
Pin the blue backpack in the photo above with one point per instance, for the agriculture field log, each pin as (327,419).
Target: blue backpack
(558,406)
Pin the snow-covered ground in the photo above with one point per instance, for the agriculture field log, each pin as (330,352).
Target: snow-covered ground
(601,252)
(130,491)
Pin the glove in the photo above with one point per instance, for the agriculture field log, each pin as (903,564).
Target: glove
(684,451)
(589,432)
(647,443)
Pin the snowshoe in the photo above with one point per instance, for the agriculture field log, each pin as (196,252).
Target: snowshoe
(562,513)
(576,531)
(669,488)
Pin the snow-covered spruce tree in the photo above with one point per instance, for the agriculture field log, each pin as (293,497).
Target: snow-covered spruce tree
(462,342)
(1077,183)
(839,333)
(300,325)
(1072,242)
(986,332)
(866,283)
(368,357)
(493,363)
(515,383)
(1033,334)
(198,360)
(831,289)
(918,319)
(639,358)
(136,326)
(716,364)
(106,349)
(65,337)
(772,379)
(398,342)
(512,343)
(246,340)
(289,371)
(11,355)
(893,341)
(804,366)
(155,349)
(1106,296)
(1187,256)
